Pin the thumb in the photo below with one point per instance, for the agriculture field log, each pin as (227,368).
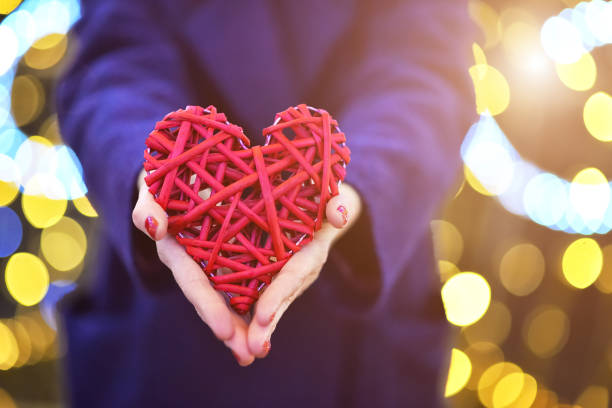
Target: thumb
(148,216)
(343,208)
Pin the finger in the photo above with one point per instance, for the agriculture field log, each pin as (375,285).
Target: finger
(343,207)
(238,342)
(295,277)
(148,216)
(209,303)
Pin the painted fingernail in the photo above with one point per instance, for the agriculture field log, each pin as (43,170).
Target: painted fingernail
(266,346)
(151,226)
(344,213)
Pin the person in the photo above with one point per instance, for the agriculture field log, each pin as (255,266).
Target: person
(355,318)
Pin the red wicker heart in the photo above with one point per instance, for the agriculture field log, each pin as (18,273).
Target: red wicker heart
(241,212)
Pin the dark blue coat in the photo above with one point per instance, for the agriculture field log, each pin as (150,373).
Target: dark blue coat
(371,330)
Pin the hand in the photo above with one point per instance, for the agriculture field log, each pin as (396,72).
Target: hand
(301,270)
(246,342)
(210,305)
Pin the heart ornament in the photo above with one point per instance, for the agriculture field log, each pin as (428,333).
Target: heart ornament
(242,211)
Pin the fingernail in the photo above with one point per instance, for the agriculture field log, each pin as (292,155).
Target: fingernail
(266,346)
(344,213)
(151,226)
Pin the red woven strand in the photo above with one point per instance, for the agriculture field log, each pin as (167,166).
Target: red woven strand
(241,212)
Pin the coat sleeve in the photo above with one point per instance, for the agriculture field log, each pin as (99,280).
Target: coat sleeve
(403,97)
(126,75)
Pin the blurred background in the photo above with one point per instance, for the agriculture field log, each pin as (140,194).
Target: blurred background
(522,242)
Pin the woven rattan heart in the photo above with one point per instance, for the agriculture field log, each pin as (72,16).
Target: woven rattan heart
(241,212)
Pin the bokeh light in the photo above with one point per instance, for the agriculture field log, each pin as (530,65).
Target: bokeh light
(12,231)
(517,390)
(598,116)
(50,130)
(522,269)
(487,20)
(42,56)
(458,373)
(28,99)
(482,355)
(582,262)
(6,6)
(493,327)
(546,331)
(490,379)
(83,206)
(10,140)
(10,177)
(24,26)
(466,297)
(10,46)
(579,76)
(448,242)
(24,344)
(41,201)
(6,401)
(38,337)
(594,396)
(546,198)
(64,244)
(447,269)
(604,282)
(27,278)
(590,196)
(9,350)
(473,181)
(491,88)
(561,40)
(545,399)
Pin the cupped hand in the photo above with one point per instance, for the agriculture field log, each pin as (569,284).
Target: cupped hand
(209,304)
(301,270)
(246,341)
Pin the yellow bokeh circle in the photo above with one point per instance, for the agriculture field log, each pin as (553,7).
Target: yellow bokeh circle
(10,178)
(83,206)
(42,201)
(9,350)
(42,56)
(604,282)
(466,297)
(522,269)
(490,86)
(582,262)
(597,116)
(447,269)
(594,396)
(27,278)
(579,76)
(546,331)
(448,242)
(27,99)
(458,373)
(6,6)
(487,20)
(23,342)
(482,355)
(516,390)
(6,401)
(64,244)
(487,384)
